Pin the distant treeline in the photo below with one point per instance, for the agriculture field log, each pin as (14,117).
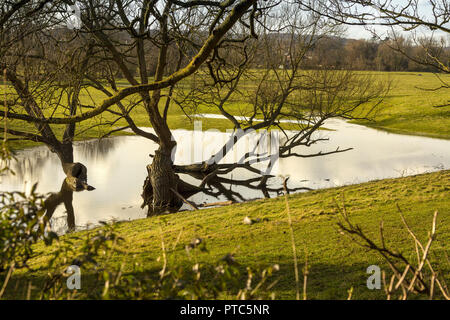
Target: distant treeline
(329,52)
(386,55)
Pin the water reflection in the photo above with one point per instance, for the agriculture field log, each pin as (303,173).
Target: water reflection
(117,168)
(65,196)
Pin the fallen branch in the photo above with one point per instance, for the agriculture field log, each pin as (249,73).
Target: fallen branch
(183,199)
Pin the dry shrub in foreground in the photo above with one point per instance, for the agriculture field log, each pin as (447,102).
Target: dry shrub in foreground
(420,278)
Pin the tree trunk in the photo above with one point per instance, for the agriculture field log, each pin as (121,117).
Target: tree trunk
(64,151)
(158,185)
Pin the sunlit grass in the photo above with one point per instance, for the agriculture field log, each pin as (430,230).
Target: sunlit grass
(335,263)
(408,109)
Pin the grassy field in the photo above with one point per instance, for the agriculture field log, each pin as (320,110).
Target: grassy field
(335,263)
(407,109)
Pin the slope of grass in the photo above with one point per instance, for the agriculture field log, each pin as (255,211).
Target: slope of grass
(410,106)
(335,263)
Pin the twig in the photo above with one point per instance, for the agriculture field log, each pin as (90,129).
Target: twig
(183,199)
(294,250)
(8,276)
(425,252)
(305,274)
(219,203)
(163,247)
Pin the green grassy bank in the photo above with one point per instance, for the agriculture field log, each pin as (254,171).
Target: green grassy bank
(335,263)
(410,106)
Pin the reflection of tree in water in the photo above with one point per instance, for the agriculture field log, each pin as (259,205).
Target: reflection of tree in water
(65,196)
(220,183)
(76,180)
(95,149)
(29,164)
(224,186)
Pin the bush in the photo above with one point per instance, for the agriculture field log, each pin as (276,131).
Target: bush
(22,224)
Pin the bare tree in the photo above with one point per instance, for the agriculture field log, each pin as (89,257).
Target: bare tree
(46,70)
(267,75)
(122,29)
(427,22)
(126,31)
(264,42)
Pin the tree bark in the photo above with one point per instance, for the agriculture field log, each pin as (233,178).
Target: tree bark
(157,193)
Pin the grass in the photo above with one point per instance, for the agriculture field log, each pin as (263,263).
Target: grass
(335,264)
(407,109)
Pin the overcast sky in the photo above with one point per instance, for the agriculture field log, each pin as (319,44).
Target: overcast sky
(360,32)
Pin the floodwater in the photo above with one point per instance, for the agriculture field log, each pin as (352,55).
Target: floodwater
(117,168)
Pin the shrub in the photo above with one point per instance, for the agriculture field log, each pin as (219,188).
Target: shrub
(22,224)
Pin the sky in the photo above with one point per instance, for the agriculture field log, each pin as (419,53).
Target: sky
(424,11)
